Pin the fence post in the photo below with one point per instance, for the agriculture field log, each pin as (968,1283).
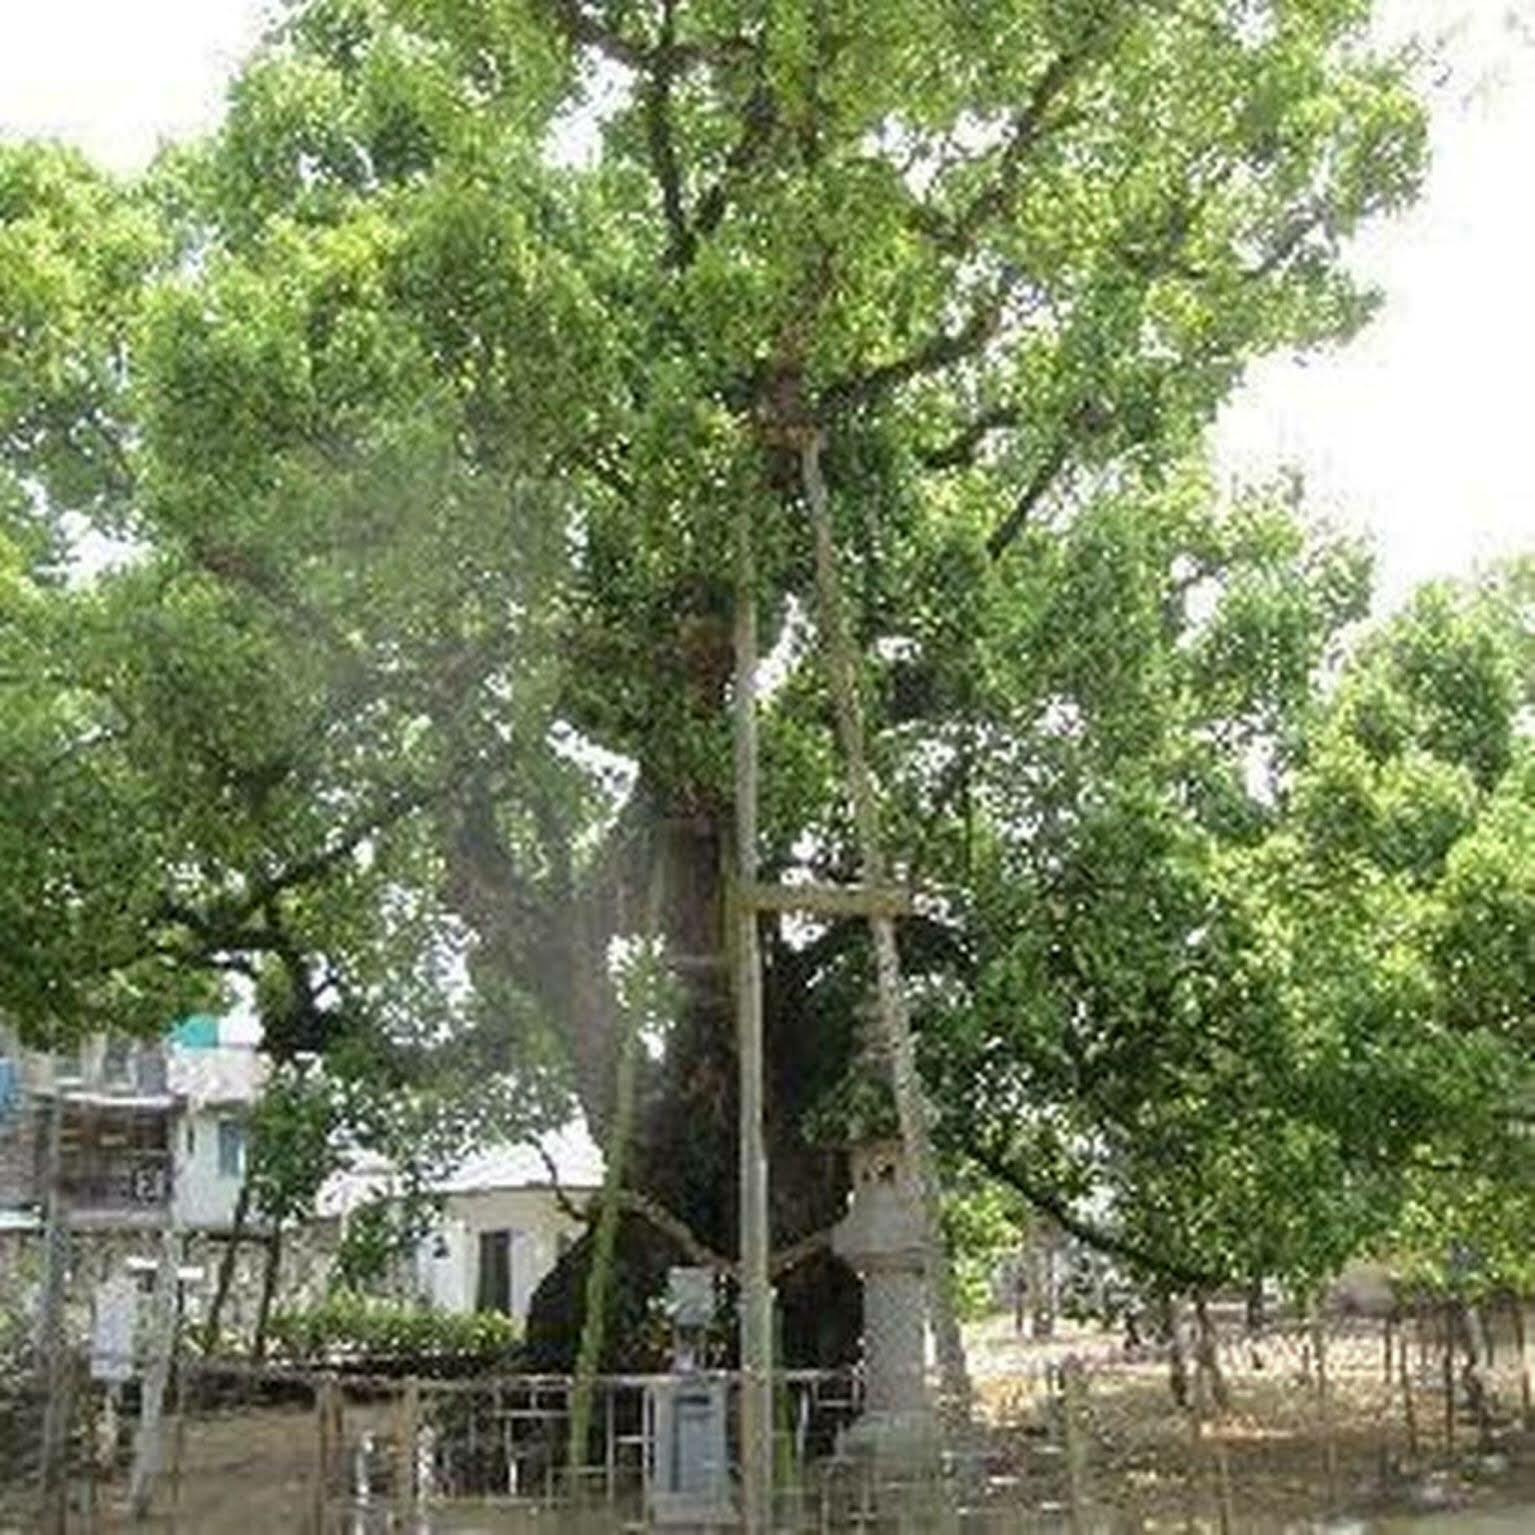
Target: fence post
(407,1428)
(1073,1392)
(325,1418)
(53,1345)
(1404,1353)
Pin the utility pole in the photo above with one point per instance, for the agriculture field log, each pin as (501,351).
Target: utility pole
(756,1296)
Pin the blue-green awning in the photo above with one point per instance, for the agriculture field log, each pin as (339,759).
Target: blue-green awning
(200,1031)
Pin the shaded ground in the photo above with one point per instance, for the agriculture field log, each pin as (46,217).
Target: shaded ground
(1280,1456)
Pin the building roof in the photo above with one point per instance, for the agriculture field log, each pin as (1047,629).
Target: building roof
(569,1157)
(577,1165)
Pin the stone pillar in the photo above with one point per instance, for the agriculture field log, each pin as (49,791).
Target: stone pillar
(881,1239)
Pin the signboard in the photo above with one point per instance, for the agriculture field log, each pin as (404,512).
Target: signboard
(112,1333)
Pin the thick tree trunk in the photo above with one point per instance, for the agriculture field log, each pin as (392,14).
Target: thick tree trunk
(684,1141)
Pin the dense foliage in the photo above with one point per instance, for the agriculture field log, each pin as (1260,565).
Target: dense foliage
(424,392)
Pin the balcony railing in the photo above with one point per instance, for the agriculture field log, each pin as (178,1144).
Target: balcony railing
(118,1180)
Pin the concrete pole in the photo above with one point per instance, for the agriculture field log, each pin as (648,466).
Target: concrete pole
(756,1296)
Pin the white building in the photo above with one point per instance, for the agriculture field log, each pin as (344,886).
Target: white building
(504,1223)
(217,1084)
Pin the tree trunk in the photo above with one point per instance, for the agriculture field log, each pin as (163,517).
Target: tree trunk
(53,1342)
(1255,1320)
(1209,1356)
(1171,1325)
(268,1290)
(227,1261)
(1465,1322)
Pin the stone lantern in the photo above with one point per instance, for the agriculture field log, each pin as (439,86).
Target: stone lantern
(882,1239)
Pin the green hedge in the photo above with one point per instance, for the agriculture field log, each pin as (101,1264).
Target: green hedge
(356,1325)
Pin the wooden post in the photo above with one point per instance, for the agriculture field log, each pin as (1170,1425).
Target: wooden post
(407,1427)
(149,1442)
(756,1294)
(1226,1509)
(910,1104)
(325,1420)
(1404,1353)
(1073,1393)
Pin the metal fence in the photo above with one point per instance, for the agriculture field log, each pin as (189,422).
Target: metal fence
(1272,1431)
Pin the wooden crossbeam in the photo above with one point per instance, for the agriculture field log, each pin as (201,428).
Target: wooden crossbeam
(832,900)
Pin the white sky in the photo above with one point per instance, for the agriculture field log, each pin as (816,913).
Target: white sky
(1415,431)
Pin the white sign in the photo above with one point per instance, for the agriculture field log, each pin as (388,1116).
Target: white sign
(112,1335)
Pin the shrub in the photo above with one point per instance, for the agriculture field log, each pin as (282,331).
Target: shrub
(348,1325)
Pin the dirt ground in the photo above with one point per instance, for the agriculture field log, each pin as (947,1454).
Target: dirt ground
(1279,1455)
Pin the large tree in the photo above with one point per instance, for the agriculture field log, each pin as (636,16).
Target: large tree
(427,390)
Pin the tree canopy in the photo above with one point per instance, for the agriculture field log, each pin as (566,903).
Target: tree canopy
(423,393)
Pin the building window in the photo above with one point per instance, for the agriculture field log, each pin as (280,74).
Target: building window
(115,1061)
(231,1148)
(493,1291)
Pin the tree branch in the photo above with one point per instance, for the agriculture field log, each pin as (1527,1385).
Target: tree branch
(1043,478)
(1048,1203)
(939,352)
(959,451)
(799,1252)
(663,152)
(759,119)
(582,28)
(960,233)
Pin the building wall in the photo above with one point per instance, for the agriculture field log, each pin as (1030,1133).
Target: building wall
(205,1192)
(448,1263)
